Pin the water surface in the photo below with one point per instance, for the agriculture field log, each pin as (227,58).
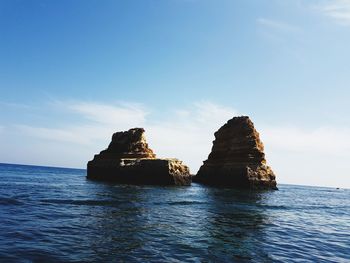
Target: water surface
(56,215)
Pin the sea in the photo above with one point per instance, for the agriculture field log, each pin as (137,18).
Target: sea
(57,215)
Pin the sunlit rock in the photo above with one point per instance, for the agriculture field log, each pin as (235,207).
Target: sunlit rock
(237,158)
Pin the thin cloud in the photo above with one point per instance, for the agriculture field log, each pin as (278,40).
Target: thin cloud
(308,156)
(324,140)
(77,135)
(277,25)
(98,122)
(207,112)
(281,34)
(118,115)
(186,133)
(339,10)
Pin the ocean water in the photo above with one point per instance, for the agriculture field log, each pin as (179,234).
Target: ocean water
(56,215)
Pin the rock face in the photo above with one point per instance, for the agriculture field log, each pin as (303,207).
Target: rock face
(129,160)
(237,158)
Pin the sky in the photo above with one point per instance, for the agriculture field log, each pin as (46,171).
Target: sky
(74,72)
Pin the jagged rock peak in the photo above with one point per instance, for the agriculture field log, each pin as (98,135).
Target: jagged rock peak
(129,144)
(239,142)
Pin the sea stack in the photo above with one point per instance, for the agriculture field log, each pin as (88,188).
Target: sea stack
(237,159)
(129,160)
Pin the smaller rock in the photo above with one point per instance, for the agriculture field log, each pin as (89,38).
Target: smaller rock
(129,160)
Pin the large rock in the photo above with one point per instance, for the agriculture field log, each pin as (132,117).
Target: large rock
(237,158)
(129,160)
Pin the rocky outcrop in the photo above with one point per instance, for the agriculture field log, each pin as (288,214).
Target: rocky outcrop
(237,158)
(129,160)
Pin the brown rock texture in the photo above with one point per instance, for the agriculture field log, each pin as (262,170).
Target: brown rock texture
(237,158)
(128,144)
(129,160)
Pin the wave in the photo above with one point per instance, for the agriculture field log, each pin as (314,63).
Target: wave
(9,201)
(80,202)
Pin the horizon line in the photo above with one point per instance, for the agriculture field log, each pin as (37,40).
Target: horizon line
(75,168)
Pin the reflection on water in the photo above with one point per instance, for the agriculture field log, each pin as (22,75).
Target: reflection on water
(50,214)
(234,224)
(178,222)
(118,228)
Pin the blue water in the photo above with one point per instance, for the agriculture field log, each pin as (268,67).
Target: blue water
(56,215)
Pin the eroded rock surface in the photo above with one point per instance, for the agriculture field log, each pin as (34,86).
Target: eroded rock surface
(128,159)
(237,158)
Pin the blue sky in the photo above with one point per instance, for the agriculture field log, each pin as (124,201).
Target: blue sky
(73,72)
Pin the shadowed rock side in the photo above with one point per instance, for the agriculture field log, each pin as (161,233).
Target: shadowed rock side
(129,160)
(237,158)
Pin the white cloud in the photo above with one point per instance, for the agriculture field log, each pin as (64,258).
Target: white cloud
(325,140)
(316,156)
(277,25)
(188,134)
(123,114)
(84,134)
(99,121)
(339,10)
(185,134)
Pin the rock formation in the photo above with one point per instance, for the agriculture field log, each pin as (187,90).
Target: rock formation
(237,158)
(129,160)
